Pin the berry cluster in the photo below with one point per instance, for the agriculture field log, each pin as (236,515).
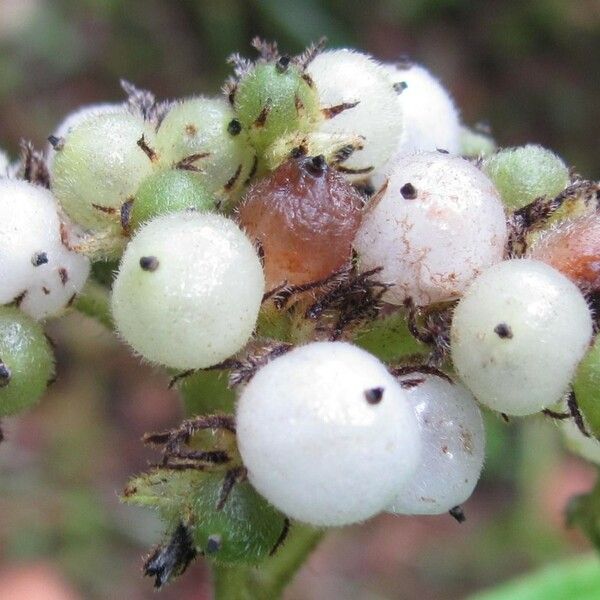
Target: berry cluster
(329,241)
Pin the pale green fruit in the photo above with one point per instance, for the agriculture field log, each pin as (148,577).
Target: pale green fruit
(526,173)
(203,135)
(26,361)
(475,144)
(101,166)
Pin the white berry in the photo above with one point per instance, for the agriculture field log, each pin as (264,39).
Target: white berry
(518,334)
(348,77)
(453,446)
(436,226)
(327,434)
(35,268)
(431,119)
(188,290)
(4,164)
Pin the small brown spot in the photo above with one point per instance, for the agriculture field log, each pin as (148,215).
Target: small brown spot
(334,111)
(408,191)
(109,210)
(351,171)
(374,395)
(148,151)
(64,275)
(262,117)
(252,170)
(149,263)
(316,166)
(503,331)
(407,384)
(308,80)
(71,300)
(445,449)
(187,163)
(283,63)
(191,130)
(458,513)
(130,490)
(19,299)
(298,104)
(442,151)
(229,185)
(45,290)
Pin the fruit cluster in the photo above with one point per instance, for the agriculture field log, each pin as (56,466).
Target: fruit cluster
(331,242)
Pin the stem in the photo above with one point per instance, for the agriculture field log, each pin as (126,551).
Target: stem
(94,302)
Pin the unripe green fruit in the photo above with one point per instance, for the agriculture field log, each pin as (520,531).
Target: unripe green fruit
(245,530)
(101,166)
(167,192)
(273,100)
(586,386)
(203,136)
(523,174)
(475,144)
(26,361)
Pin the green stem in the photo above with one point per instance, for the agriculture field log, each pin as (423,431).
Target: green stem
(94,302)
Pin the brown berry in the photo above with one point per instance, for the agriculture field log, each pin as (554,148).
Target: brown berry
(573,248)
(304,215)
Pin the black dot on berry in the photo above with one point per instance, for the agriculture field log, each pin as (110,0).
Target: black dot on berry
(408,191)
(149,263)
(503,331)
(234,127)
(400,86)
(442,151)
(317,165)
(5,375)
(39,258)
(283,63)
(374,395)
(213,544)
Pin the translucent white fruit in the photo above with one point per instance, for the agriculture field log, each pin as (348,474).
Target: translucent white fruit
(188,290)
(436,226)
(202,127)
(56,283)
(453,446)
(99,167)
(518,334)
(34,264)
(348,77)
(76,117)
(431,119)
(475,144)
(327,434)
(29,225)
(576,442)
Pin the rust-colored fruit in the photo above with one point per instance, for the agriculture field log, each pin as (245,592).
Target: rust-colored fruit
(304,215)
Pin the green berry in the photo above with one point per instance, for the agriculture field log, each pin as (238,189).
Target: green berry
(245,530)
(273,100)
(207,392)
(26,361)
(167,192)
(526,173)
(203,136)
(586,386)
(475,144)
(100,166)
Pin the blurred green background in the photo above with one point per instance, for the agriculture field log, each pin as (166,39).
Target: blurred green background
(529,69)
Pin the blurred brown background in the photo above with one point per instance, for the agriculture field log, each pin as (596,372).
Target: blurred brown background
(527,68)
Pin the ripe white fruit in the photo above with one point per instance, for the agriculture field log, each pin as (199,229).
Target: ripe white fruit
(431,119)
(188,290)
(453,447)
(576,442)
(345,76)
(518,334)
(34,265)
(327,434)
(64,128)
(99,167)
(436,226)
